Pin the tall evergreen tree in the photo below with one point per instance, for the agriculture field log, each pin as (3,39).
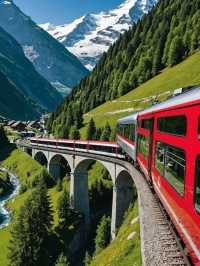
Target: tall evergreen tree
(103,234)
(74,133)
(31,230)
(176,51)
(91,130)
(63,207)
(106,133)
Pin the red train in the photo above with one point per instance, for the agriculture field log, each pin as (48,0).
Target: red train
(110,149)
(164,141)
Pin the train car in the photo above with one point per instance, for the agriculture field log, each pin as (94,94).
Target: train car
(168,153)
(127,135)
(105,148)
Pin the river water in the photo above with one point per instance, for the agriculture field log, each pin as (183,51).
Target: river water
(5,215)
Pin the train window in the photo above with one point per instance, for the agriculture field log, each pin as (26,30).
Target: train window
(176,125)
(197,186)
(143,145)
(147,123)
(170,162)
(175,167)
(159,160)
(132,132)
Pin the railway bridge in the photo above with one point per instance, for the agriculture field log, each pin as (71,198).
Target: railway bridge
(59,161)
(159,244)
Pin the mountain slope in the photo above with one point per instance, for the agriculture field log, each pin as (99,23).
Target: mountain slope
(90,36)
(183,75)
(19,70)
(13,104)
(49,57)
(163,38)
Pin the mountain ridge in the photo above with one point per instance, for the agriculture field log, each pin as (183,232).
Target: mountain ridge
(50,58)
(20,72)
(89,36)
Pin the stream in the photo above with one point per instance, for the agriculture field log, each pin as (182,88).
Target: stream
(5,215)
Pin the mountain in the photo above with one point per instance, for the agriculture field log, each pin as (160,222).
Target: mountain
(90,36)
(49,57)
(164,37)
(13,103)
(22,74)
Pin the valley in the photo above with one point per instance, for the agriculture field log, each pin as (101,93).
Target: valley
(99,133)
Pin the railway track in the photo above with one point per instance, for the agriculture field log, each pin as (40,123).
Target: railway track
(171,247)
(160,243)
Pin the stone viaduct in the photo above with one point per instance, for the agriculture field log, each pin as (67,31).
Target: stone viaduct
(58,162)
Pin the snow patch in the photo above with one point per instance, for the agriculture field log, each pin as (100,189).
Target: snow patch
(30,53)
(6,2)
(89,36)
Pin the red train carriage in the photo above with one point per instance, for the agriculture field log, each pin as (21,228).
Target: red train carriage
(105,148)
(168,152)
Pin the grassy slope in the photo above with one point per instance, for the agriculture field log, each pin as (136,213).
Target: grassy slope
(26,168)
(123,252)
(185,74)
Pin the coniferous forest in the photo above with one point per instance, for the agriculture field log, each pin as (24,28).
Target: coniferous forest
(162,38)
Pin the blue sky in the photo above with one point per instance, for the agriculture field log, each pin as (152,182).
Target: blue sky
(62,11)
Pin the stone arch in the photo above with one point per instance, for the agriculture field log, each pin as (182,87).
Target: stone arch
(123,195)
(41,158)
(83,164)
(59,167)
(79,184)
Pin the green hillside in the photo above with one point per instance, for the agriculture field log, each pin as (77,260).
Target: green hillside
(123,251)
(13,104)
(185,74)
(164,37)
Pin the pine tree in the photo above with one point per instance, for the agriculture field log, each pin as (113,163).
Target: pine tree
(106,133)
(91,130)
(31,230)
(74,133)
(62,261)
(176,51)
(103,234)
(63,207)
(98,134)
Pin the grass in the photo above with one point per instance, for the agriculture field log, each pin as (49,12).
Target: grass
(26,169)
(185,74)
(123,252)
(20,163)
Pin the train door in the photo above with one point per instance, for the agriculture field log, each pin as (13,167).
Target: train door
(151,133)
(145,145)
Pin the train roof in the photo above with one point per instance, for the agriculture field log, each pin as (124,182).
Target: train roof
(186,97)
(67,141)
(128,119)
(189,96)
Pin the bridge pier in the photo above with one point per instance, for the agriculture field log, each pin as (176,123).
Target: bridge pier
(123,195)
(79,196)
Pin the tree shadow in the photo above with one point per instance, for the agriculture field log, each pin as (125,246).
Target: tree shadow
(6,151)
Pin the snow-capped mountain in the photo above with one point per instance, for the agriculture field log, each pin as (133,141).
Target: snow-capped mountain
(91,35)
(49,57)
